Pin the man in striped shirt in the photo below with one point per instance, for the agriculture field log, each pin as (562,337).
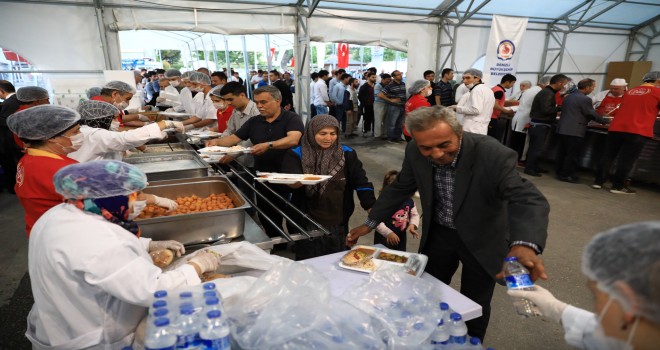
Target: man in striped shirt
(395,96)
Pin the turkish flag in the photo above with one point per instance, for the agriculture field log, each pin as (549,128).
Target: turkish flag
(342,55)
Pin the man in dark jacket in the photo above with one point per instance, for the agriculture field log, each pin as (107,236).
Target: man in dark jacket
(577,110)
(477,208)
(9,152)
(543,116)
(287,96)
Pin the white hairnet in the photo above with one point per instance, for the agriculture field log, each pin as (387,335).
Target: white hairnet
(628,254)
(417,86)
(96,109)
(474,72)
(172,73)
(42,122)
(545,80)
(215,91)
(98,179)
(186,75)
(651,76)
(120,86)
(31,93)
(93,91)
(200,78)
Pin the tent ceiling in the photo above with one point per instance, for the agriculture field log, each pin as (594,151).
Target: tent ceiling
(616,14)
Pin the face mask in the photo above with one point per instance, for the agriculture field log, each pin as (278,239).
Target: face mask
(197,89)
(469,86)
(219,105)
(121,105)
(138,207)
(174,83)
(428,93)
(76,142)
(599,340)
(114,126)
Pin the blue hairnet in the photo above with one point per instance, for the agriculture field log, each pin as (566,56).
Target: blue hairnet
(42,122)
(172,73)
(417,86)
(119,86)
(99,179)
(31,93)
(200,78)
(96,109)
(93,91)
(630,255)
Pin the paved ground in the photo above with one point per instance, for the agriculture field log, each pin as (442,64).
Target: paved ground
(577,214)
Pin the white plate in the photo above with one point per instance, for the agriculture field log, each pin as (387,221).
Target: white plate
(175,115)
(219,150)
(203,134)
(277,178)
(388,264)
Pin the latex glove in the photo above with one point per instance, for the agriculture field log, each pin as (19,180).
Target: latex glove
(170,110)
(165,203)
(132,111)
(189,127)
(207,261)
(161,99)
(176,125)
(143,118)
(176,247)
(550,307)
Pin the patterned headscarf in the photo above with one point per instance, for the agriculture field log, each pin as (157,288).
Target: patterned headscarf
(113,209)
(319,161)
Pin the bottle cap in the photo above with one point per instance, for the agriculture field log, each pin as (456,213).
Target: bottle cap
(213,314)
(441,323)
(511,258)
(161,312)
(212,301)
(209,286)
(475,341)
(455,316)
(159,303)
(160,294)
(444,306)
(185,295)
(187,310)
(210,294)
(162,322)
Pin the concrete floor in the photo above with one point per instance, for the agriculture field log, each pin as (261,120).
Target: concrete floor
(577,214)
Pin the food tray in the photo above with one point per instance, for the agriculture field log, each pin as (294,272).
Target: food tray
(173,165)
(379,263)
(221,151)
(281,178)
(206,134)
(196,228)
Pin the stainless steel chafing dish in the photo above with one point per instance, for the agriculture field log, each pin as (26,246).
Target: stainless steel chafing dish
(168,166)
(163,148)
(196,228)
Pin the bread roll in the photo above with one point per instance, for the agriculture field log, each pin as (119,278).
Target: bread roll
(162,258)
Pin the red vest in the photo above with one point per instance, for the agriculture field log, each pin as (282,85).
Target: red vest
(609,105)
(496,113)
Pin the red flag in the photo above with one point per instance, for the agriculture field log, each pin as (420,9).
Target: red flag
(342,55)
(293,61)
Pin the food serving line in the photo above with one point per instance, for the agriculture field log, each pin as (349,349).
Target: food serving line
(176,170)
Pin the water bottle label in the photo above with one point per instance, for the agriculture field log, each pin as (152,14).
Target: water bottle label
(518,281)
(166,348)
(217,344)
(188,340)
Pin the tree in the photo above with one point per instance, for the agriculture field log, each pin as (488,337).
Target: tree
(173,57)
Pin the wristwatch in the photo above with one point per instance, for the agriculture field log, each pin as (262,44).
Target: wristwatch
(270,145)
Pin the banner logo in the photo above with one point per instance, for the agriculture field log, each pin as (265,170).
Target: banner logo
(505,50)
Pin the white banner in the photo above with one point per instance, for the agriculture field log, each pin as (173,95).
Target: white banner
(377,53)
(503,48)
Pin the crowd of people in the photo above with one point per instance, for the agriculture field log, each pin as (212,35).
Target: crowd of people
(479,209)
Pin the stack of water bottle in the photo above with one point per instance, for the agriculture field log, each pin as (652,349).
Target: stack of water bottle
(191,319)
(451,332)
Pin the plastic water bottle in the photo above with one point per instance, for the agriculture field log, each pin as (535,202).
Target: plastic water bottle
(440,336)
(517,277)
(187,329)
(475,344)
(215,334)
(457,330)
(162,337)
(211,304)
(445,312)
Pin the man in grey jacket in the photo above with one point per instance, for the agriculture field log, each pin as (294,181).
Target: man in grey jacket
(477,208)
(577,110)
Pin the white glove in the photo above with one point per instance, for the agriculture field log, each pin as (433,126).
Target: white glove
(143,118)
(161,99)
(176,125)
(165,203)
(550,307)
(189,127)
(170,110)
(207,261)
(176,247)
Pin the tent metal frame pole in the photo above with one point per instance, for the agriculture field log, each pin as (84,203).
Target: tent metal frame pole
(302,53)
(98,8)
(269,56)
(247,68)
(227,59)
(641,39)
(215,52)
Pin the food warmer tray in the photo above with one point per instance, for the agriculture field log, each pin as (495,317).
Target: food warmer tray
(169,166)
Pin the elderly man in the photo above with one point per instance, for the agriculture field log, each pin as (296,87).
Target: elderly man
(571,128)
(520,121)
(475,107)
(607,102)
(477,208)
(524,86)
(272,133)
(629,131)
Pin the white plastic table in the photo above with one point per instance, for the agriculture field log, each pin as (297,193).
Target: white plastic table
(341,279)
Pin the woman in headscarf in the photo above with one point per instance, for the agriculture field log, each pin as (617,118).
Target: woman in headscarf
(49,134)
(91,273)
(330,203)
(418,92)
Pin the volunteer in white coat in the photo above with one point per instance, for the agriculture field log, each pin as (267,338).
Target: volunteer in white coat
(101,143)
(475,107)
(623,268)
(522,117)
(169,95)
(91,273)
(202,109)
